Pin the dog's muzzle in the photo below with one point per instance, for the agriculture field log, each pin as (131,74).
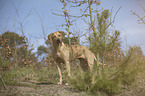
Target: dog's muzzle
(58,40)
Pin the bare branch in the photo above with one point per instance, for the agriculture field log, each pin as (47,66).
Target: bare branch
(56,13)
(20,21)
(86,9)
(113,19)
(42,25)
(140,18)
(70,15)
(78,3)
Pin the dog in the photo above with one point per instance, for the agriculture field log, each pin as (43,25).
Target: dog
(63,53)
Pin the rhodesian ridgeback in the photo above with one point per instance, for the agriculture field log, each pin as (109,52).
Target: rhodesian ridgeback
(63,53)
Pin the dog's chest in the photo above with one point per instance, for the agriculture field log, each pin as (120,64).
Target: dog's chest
(61,54)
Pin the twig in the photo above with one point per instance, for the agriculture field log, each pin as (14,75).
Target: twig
(113,18)
(141,18)
(3,82)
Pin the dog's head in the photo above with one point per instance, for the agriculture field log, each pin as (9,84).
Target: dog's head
(56,37)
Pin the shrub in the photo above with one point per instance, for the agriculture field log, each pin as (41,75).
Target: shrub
(81,81)
(4,63)
(96,81)
(110,80)
(16,76)
(45,75)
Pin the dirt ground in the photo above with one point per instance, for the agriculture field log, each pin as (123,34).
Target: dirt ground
(48,89)
(40,89)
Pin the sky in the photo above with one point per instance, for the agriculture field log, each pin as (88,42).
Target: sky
(32,12)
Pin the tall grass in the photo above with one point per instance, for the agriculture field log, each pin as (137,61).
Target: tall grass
(47,75)
(111,80)
(16,76)
(19,75)
(96,81)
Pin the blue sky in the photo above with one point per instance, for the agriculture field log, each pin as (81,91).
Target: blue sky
(131,32)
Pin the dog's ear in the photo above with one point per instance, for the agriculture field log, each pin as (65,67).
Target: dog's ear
(50,37)
(62,33)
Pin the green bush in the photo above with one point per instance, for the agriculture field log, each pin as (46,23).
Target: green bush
(96,81)
(81,81)
(19,75)
(110,80)
(16,76)
(4,63)
(132,66)
(47,75)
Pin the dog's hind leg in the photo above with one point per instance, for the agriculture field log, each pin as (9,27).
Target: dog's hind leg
(84,64)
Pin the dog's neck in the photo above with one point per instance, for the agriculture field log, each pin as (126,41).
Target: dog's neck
(56,47)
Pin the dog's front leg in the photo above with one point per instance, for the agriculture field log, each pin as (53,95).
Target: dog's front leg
(60,74)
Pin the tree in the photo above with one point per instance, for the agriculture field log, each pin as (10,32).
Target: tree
(41,50)
(100,37)
(25,57)
(108,43)
(13,48)
(137,51)
(87,12)
(67,17)
(9,41)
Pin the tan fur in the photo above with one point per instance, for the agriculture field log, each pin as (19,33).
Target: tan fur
(63,53)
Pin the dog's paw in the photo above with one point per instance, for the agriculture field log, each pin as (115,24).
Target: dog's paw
(66,84)
(59,83)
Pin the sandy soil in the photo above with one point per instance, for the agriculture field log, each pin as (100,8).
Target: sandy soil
(32,88)
(40,89)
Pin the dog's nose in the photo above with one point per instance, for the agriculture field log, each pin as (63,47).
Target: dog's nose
(58,40)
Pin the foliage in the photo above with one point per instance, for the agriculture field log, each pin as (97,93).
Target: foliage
(16,76)
(11,39)
(8,43)
(47,75)
(41,50)
(81,81)
(20,75)
(98,81)
(107,44)
(14,49)
(25,57)
(132,66)
(23,66)
(112,79)
(4,63)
